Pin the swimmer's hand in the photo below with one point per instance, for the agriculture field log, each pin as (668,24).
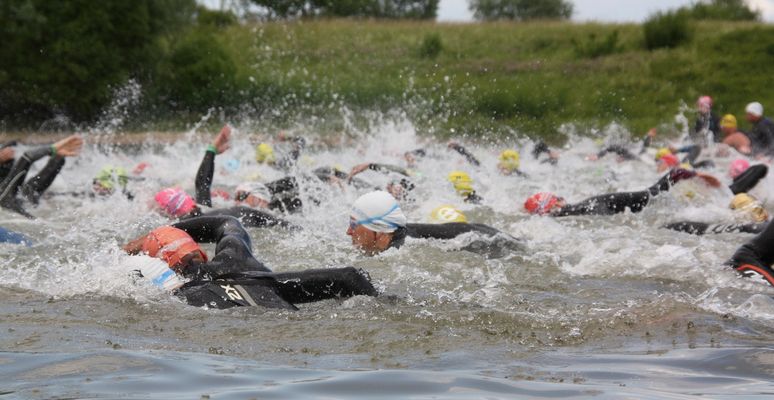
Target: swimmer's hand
(7,154)
(69,146)
(221,142)
(135,246)
(592,157)
(356,170)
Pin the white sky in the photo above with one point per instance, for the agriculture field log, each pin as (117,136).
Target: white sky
(602,10)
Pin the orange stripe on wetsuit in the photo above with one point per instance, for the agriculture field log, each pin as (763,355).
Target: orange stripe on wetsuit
(749,267)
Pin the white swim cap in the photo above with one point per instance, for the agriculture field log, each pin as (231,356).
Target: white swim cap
(378,211)
(256,189)
(754,108)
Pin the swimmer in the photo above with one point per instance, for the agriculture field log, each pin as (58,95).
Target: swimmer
(377,223)
(755,258)
(399,187)
(33,188)
(509,163)
(463,185)
(234,277)
(746,207)
(611,203)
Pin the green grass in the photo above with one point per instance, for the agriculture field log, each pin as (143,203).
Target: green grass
(490,77)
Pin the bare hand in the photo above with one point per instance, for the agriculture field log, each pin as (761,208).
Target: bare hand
(135,246)
(69,146)
(356,170)
(7,154)
(652,133)
(221,142)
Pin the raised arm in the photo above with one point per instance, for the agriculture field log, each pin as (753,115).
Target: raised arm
(206,170)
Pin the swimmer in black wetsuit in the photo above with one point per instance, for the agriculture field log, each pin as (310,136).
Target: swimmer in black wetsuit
(7,154)
(748,179)
(756,256)
(234,277)
(400,187)
(377,223)
(35,186)
(606,204)
(250,216)
(746,206)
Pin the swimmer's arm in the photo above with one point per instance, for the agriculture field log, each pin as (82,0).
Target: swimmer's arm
(464,152)
(204,178)
(388,168)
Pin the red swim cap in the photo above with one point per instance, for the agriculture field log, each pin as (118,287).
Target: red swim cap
(670,160)
(738,167)
(175,202)
(541,203)
(171,245)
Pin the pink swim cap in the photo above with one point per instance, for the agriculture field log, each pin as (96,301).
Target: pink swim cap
(738,167)
(175,202)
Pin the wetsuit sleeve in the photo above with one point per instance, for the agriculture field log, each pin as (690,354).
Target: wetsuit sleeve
(321,284)
(9,189)
(204,179)
(447,231)
(619,150)
(540,147)
(35,186)
(251,217)
(212,228)
(465,153)
(285,187)
(748,179)
(5,169)
(388,168)
(694,228)
(646,142)
(757,255)
(693,153)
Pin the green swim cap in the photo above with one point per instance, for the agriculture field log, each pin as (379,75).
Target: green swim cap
(108,176)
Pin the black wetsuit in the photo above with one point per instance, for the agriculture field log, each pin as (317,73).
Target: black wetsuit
(235,278)
(613,203)
(747,180)
(762,137)
(495,244)
(540,148)
(700,228)
(621,151)
(249,216)
(465,153)
(709,122)
(35,186)
(756,256)
(326,173)
(5,168)
(289,160)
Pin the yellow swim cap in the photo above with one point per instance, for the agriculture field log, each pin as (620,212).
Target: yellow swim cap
(108,176)
(728,121)
(462,182)
(264,153)
(509,160)
(447,213)
(662,152)
(751,206)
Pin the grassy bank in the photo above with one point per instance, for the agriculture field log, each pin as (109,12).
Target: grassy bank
(529,76)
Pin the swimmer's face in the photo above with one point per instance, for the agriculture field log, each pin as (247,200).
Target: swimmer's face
(366,240)
(395,190)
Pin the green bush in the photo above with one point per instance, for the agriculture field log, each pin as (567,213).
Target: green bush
(215,18)
(431,46)
(198,74)
(721,10)
(667,30)
(593,48)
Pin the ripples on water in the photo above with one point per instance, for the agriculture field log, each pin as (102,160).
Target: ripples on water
(585,289)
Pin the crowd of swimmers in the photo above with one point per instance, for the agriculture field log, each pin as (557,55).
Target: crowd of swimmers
(233,276)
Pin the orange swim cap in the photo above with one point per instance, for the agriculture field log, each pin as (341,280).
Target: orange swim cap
(171,245)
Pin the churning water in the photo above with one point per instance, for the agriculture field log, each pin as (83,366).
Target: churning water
(596,306)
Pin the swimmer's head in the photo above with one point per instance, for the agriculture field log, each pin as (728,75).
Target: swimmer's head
(704,104)
(508,161)
(374,219)
(264,153)
(400,189)
(108,178)
(728,122)
(542,203)
(738,167)
(750,207)
(174,246)
(462,182)
(668,161)
(255,194)
(662,152)
(446,213)
(174,202)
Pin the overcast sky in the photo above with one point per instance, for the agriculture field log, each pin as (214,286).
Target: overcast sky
(601,10)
